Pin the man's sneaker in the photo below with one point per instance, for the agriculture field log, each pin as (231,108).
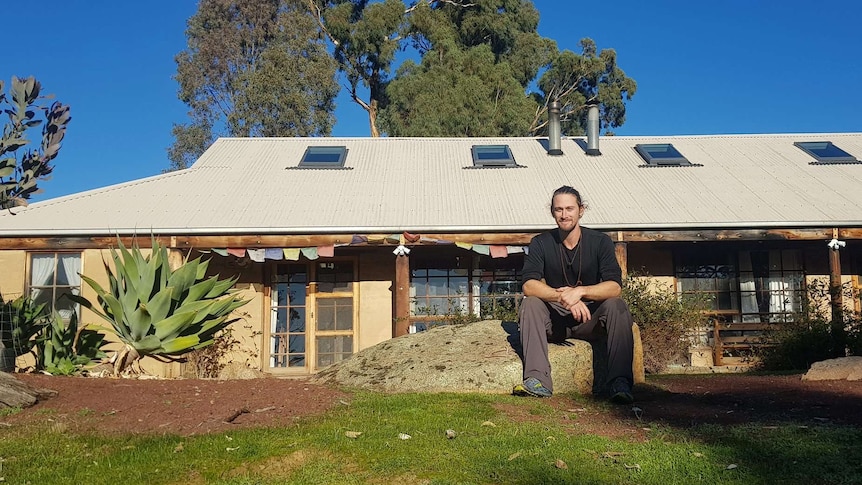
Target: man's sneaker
(532,387)
(621,391)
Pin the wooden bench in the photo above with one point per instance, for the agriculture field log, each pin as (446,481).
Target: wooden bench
(744,339)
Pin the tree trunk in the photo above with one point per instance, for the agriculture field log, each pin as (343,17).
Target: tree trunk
(16,394)
(372,118)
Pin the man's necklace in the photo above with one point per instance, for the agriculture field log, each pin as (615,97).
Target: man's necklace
(564,260)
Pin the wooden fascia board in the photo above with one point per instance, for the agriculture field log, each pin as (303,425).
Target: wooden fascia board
(520,238)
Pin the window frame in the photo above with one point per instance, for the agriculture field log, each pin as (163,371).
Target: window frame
(476,268)
(477,152)
(806,146)
(677,160)
(312,150)
(737,312)
(314,292)
(53,287)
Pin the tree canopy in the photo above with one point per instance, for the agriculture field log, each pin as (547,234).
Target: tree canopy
(470,68)
(252,68)
(20,172)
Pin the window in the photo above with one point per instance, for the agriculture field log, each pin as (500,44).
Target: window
(825,152)
(52,276)
(313,315)
(335,312)
(661,154)
(449,287)
(323,157)
(745,286)
(498,156)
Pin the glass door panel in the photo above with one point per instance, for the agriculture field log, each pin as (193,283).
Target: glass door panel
(288,321)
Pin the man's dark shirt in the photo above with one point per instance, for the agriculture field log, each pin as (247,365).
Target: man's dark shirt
(594,257)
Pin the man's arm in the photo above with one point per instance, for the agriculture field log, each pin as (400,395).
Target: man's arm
(541,290)
(599,292)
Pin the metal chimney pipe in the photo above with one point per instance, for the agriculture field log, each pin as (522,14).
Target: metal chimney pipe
(593,131)
(554,137)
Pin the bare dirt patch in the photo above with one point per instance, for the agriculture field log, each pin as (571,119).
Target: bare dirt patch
(175,406)
(190,406)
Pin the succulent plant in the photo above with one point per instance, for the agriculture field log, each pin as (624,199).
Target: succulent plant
(160,312)
(64,348)
(20,320)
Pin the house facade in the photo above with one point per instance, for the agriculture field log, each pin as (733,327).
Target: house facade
(342,243)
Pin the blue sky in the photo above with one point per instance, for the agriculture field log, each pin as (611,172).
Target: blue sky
(735,66)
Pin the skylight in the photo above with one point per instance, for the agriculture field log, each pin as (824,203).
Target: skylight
(825,152)
(323,157)
(492,156)
(661,154)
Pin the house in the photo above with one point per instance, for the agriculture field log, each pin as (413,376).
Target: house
(342,243)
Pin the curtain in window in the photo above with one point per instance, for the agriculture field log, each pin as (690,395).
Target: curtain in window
(71,264)
(747,288)
(71,268)
(41,274)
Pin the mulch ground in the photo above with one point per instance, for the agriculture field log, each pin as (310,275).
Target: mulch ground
(191,406)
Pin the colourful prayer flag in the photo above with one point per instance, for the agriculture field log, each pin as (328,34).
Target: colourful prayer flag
(274,253)
(482,249)
(498,251)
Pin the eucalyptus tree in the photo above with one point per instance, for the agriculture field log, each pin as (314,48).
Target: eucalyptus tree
(252,68)
(483,68)
(366,36)
(480,63)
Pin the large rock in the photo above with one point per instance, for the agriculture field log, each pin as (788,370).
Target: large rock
(16,394)
(842,368)
(476,357)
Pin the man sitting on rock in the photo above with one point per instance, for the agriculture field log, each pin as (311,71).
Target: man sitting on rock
(572,283)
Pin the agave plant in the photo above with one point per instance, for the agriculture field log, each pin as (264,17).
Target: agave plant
(159,312)
(64,349)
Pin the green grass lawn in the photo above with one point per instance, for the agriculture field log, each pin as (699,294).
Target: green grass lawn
(489,448)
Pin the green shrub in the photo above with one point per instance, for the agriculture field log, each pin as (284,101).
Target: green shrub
(812,336)
(666,319)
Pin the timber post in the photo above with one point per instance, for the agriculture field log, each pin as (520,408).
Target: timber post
(622,254)
(401,323)
(835,293)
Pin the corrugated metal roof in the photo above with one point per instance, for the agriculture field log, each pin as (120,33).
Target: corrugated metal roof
(251,185)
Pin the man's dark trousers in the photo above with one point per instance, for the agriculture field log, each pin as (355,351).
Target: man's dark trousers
(542,322)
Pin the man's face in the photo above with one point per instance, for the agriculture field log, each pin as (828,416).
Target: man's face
(567,212)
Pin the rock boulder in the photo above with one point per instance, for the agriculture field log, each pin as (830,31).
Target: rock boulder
(842,368)
(476,357)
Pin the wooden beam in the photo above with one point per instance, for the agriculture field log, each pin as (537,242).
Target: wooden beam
(514,239)
(401,325)
(850,233)
(62,243)
(723,235)
(622,256)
